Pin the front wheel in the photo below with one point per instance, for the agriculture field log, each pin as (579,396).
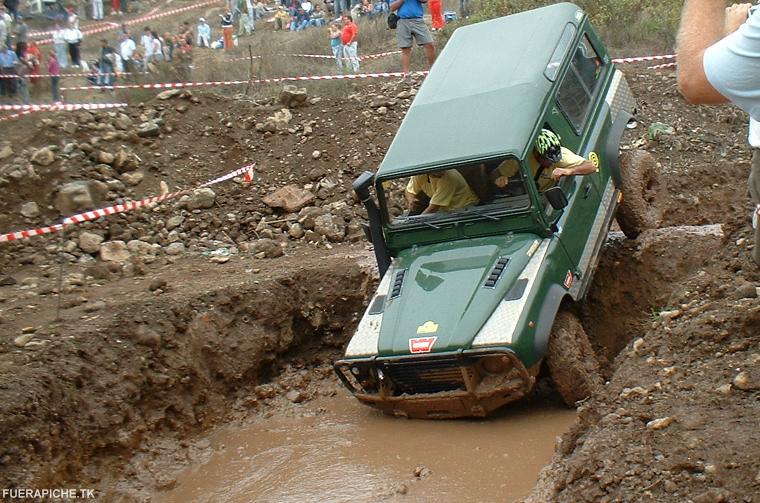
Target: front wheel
(571,360)
(638,210)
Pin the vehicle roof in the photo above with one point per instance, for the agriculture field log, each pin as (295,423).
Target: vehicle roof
(484,94)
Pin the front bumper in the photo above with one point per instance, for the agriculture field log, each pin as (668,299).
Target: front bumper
(467,383)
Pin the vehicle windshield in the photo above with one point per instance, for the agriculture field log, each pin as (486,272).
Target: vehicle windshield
(483,190)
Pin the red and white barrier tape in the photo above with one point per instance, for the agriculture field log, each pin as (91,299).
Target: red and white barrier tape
(644,58)
(246,171)
(317,56)
(666,65)
(69,107)
(93,26)
(131,205)
(350,76)
(16,116)
(140,19)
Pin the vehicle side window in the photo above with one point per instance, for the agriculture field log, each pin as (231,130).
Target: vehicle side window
(580,83)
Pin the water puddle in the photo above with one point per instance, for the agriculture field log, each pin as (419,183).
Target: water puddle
(339,451)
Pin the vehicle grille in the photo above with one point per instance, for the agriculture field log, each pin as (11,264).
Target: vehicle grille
(427,377)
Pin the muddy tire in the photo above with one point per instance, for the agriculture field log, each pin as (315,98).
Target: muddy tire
(571,360)
(638,210)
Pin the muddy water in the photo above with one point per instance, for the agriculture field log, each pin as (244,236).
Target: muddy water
(335,450)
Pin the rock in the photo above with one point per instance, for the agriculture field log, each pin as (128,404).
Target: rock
(308,215)
(422,472)
(724,389)
(268,247)
(295,396)
(292,96)
(746,291)
(316,154)
(104,157)
(90,242)
(122,121)
(70,127)
(660,424)
(6,151)
(7,280)
(98,305)
(174,222)
(331,227)
(670,486)
(43,157)
(713,495)
(633,392)
(220,259)
(21,340)
(638,346)
(168,94)
(30,209)
(291,198)
(295,230)
(157,283)
(147,337)
(381,101)
(124,160)
(81,195)
(141,248)
(148,130)
(201,198)
(114,251)
(175,249)
(277,122)
(265,391)
(745,382)
(132,178)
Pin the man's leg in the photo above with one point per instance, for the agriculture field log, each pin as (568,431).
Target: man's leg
(754,194)
(430,52)
(406,59)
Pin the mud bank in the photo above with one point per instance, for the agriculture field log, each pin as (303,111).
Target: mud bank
(78,405)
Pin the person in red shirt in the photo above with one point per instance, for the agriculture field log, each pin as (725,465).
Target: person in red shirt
(348,38)
(436,14)
(54,69)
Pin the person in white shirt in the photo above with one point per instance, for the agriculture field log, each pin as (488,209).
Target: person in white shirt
(126,50)
(146,41)
(59,45)
(73,38)
(204,33)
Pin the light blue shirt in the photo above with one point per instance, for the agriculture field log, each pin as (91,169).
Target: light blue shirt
(732,65)
(8,59)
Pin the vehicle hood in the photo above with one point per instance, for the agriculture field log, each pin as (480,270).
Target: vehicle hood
(444,295)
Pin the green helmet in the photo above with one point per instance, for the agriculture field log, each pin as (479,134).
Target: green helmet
(548,146)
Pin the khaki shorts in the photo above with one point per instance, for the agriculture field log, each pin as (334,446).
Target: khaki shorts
(409,29)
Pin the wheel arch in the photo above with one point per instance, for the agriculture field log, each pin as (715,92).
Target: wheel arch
(612,147)
(556,297)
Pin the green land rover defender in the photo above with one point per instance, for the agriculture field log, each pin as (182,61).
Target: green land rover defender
(471,301)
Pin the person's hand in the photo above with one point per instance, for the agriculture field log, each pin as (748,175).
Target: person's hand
(560,172)
(501,182)
(736,15)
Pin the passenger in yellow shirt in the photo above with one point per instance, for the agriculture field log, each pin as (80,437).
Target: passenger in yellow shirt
(549,162)
(445,190)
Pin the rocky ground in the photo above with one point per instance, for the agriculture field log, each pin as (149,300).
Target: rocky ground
(157,306)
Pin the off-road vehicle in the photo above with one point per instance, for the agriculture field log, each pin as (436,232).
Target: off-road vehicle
(472,301)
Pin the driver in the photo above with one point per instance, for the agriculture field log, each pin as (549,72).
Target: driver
(549,161)
(437,191)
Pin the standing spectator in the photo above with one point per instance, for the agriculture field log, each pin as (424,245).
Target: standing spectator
(73,38)
(8,60)
(186,33)
(464,9)
(436,14)
(169,44)
(245,27)
(158,47)
(22,33)
(146,41)
(227,29)
(124,6)
(341,6)
(12,6)
(106,64)
(412,27)
(348,38)
(335,45)
(719,61)
(23,70)
(115,7)
(60,47)
(7,22)
(72,19)
(33,59)
(250,12)
(204,33)
(281,18)
(126,50)
(97,9)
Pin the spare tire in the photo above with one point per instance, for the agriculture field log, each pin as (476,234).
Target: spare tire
(641,188)
(571,360)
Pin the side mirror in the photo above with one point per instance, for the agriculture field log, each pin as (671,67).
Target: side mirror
(362,184)
(556,197)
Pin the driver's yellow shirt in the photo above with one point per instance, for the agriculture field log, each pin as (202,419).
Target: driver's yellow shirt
(510,167)
(450,191)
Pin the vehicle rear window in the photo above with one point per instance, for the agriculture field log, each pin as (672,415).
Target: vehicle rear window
(552,67)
